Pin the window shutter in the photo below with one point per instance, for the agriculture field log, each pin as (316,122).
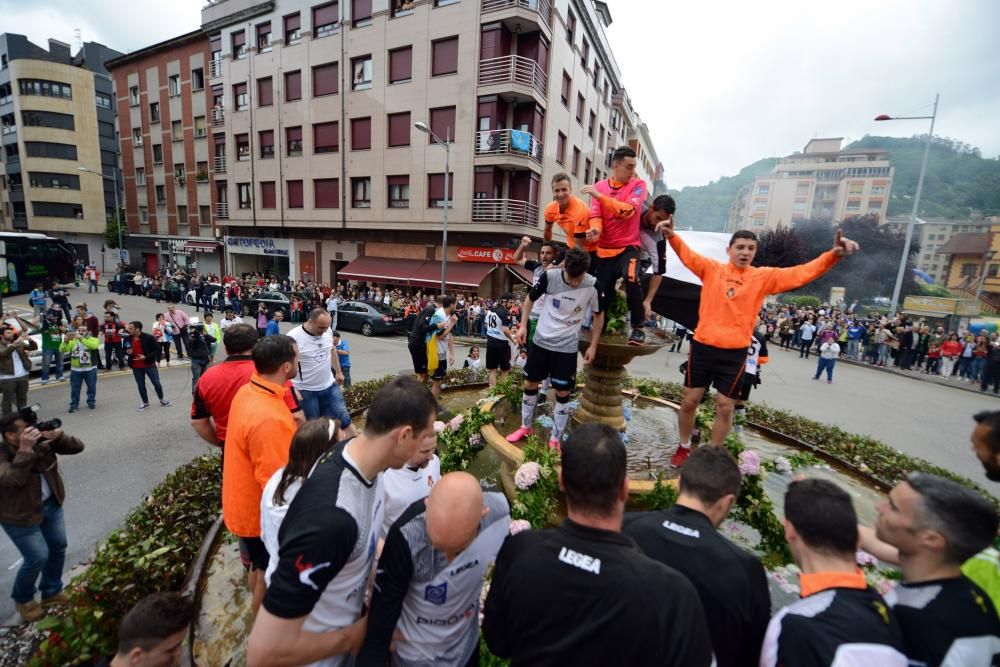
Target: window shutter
(325,137)
(326,193)
(325,79)
(293,86)
(361,134)
(441,120)
(294,194)
(445,56)
(265,92)
(401,64)
(267,194)
(399,129)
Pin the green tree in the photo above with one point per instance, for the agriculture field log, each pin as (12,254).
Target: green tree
(111,230)
(779,247)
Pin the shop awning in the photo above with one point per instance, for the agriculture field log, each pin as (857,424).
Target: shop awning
(381,270)
(521,273)
(460,274)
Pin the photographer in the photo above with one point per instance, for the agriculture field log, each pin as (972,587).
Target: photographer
(199,348)
(31,506)
(14,366)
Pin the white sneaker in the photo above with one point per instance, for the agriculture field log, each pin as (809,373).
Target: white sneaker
(142,407)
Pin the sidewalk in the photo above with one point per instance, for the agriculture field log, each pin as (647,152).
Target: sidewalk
(954,382)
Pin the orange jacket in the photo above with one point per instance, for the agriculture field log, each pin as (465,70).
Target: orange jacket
(575,221)
(731,297)
(260,431)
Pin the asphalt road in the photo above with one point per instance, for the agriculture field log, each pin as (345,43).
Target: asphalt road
(129,453)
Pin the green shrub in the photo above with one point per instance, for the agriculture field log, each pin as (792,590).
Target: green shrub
(804,301)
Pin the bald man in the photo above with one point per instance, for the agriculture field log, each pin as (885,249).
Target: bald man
(430,575)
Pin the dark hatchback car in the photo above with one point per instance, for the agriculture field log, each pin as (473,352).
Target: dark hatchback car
(272,300)
(369,317)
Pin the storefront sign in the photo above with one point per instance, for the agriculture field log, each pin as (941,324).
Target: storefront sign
(258,246)
(489,255)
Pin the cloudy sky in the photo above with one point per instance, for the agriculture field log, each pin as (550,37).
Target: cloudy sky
(720,84)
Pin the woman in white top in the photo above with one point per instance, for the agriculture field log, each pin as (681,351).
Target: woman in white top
(474,360)
(310,442)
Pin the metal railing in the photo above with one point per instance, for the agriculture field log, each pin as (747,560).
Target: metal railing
(513,69)
(218,117)
(214,68)
(222,210)
(509,142)
(505,211)
(542,7)
(219,164)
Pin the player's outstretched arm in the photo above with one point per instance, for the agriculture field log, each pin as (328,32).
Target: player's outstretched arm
(697,264)
(793,277)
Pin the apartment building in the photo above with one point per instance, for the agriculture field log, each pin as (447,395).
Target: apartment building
(56,115)
(933,234)
(168,157)
(318,168)
(823,182)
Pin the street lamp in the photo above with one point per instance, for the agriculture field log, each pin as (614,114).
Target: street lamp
(118,224)
(420,125)
(916,198)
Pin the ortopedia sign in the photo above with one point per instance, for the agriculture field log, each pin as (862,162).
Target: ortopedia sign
(486,255)
(258,246)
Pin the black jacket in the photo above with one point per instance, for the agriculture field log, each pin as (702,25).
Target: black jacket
(150,349)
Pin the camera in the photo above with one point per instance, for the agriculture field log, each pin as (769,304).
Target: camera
(29,414)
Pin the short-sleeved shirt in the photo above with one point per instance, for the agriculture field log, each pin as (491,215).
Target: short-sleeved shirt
(405,486)
(496,320)
(437,318)
(537,269)
(574,221)
(564,310)
(315,373)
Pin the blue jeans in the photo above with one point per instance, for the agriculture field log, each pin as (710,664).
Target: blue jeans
(140,375)
(853,349)
(76,380)
(978,367)
(965,367)
(47,356)
(346,370)
(826,364)
(198,366)
(328,402)
(43,547)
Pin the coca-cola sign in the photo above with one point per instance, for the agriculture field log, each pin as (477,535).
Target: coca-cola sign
(487,255)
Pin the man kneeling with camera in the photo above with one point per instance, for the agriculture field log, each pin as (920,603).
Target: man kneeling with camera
(31,499)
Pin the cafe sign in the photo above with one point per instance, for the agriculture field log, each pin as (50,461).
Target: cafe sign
(486,255)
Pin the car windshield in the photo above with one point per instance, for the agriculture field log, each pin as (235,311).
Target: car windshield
(382,309)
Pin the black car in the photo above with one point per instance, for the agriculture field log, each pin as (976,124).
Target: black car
(272,300)
(369,317)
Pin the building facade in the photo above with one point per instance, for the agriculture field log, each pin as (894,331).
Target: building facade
(932,234)
(57,115)
(313,145)
(168,156)
(972,264)
(823,182)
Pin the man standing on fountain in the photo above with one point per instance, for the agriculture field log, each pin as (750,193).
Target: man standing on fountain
(731,297)
(570,293)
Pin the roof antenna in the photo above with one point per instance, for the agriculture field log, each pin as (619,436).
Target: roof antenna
(79,39)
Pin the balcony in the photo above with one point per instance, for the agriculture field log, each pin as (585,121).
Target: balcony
(9,129)
(219,164)
(509,147)
(222,210)
(516,70)
(505,211)
(537,11)
(218,117)
(214,69)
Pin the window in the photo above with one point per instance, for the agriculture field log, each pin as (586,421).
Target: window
(361,134)
(6,93)
(179,171)
(325,19)
(154,112)
(401,64)
(361,79)
(182,215)
(239,44)
(399,191)
(48,149)
(200,128)
(597,73)
(60,121)
(176,131)
(361,13)
(243,195)
(607,88)
(294,194)
(576,161)
(585,53)
(57,181)
(586,170)
(399,129)
(361,192)
(240,98)
(104,101)
(444,56)
(45,88)
(293,86)
(57,210)
(326,137)
(161,194)
(137,136)
(600,138)
(561,148)
(590,124)
(133,96)
(267,195)
(265,92)
(566,85)
(242,147)
(198,79)
(326,193)
(174,85)
(435,190)
(264,37)
(293,140)
(444,3)
(878,189)
(442,123)
(763,189)
(293,29)
(401,7)
(143,215)
(266,140)
(201,172)
(570,27)
(580,104)
(325,79)
(157,154)
(853,204)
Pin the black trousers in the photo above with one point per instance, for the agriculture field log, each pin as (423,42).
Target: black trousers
(625,265)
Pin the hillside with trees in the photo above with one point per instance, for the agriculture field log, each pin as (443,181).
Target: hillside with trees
(706,207)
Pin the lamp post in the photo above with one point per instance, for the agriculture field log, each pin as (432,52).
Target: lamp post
(916,198)
(118,223)
(444,235)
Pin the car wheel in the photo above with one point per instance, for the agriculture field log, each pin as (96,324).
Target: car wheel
(367,329)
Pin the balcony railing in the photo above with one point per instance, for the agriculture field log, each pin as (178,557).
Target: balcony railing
(542,7)
(9,129)
(505,211)
(222,210)
(218,117)
(219,164)
(513,69)
(509,142)
(214,68)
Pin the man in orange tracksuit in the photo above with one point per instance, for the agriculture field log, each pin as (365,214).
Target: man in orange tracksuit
(570,213)
(731,297)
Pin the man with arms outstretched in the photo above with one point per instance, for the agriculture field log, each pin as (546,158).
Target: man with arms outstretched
(731,296)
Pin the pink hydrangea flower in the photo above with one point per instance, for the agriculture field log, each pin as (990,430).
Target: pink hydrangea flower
(749,462)
(439,426)
(456,422)
(782,465)
(885,586)
(518,525)
(865,559)
(527,474)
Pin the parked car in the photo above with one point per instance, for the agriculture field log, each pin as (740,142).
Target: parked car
(369,317)
(214,288)
(273,301)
